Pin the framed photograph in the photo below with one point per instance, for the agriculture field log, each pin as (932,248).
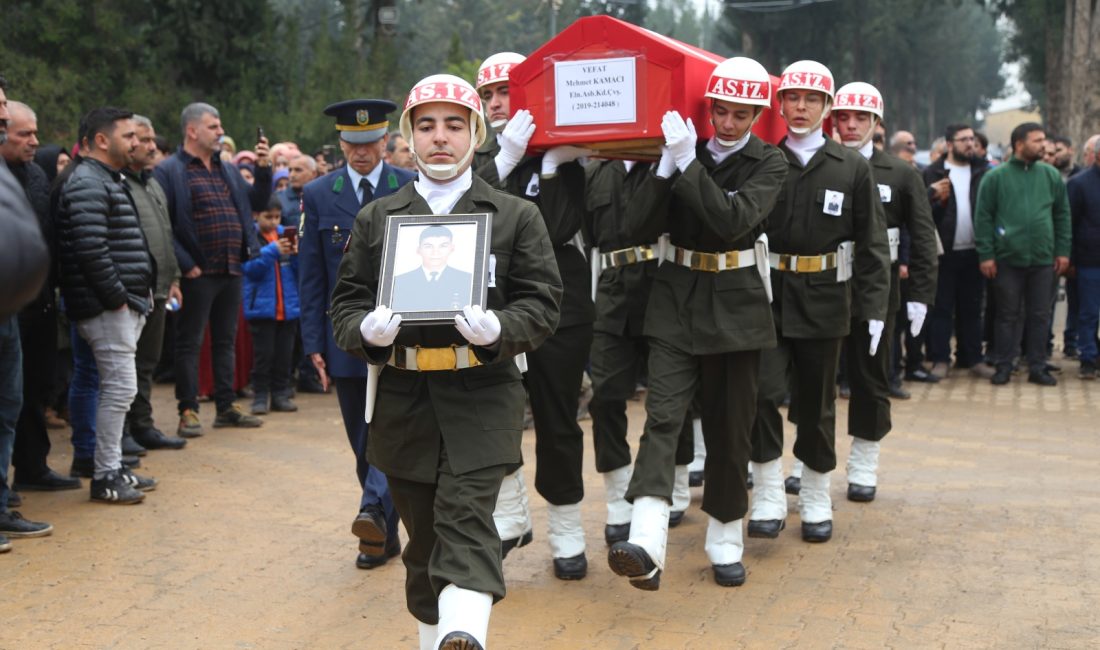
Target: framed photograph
(434,265)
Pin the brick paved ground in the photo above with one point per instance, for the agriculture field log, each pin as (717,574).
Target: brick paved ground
(982,537)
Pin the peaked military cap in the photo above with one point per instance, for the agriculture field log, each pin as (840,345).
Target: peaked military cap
(361,121)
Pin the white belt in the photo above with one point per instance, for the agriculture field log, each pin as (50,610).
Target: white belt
(841,260)
(629,255)
(893,235)
(711,262)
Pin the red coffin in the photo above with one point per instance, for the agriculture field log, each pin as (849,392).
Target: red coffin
(606,84)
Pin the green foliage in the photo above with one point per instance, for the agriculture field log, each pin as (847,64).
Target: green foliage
(935,61)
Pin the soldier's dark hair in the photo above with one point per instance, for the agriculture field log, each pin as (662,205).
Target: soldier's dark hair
(436,231)
(952,129)
(1063,140)
(1020,133)
(982,139)
(162,145)
(3,83)
(100,120)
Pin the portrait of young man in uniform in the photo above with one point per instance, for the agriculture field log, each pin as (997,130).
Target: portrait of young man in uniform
(434,283)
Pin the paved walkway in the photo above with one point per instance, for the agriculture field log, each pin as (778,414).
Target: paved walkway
(983,536)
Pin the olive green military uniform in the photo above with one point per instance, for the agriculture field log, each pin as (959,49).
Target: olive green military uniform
(813,311)
(556,369)
(706,328)
(444,438)
(619,347)
(905,202)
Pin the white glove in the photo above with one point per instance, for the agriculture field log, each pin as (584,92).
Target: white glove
(380,327)
(680,137)
(478,327)
(875,327)
(667,164)
(917,312)
(561,155)
(513,142)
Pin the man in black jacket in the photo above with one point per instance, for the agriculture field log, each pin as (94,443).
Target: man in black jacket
(23,269)
(37,321)
(211,209)
(107,278)
(953,190)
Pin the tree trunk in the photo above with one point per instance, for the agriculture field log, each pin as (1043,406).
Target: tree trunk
(1055,79)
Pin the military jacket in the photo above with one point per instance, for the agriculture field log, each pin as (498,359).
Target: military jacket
(715,208)
(477,413)
(815,305)
(560,199)
(611,194)
(329,207)
(905,202)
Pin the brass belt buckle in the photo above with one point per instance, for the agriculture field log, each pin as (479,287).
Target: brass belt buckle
(436,358)
(704,262)
(830,261)
(647,253)
(785,262)
(733,259)
(809,264)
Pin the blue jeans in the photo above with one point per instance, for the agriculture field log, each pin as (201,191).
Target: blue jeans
(11,397)
(83,397)
(1088,314)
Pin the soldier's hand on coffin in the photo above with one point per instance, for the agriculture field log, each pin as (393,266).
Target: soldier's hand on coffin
(680,138)
(380,327)
(513,142)
(478,326)
(667,165)
(558,156)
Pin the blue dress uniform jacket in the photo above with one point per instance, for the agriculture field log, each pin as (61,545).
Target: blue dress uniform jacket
(329,208)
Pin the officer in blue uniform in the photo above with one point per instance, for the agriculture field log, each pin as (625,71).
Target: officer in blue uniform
(330,204)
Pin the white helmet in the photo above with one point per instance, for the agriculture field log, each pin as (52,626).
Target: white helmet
(740,80)
(495,68)
(859,96)
(453,90)
(807,75)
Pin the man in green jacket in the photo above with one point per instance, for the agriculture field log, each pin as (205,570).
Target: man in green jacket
(152,209)
(449,416)
(1022,233)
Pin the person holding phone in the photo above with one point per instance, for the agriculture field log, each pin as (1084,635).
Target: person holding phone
(271,309)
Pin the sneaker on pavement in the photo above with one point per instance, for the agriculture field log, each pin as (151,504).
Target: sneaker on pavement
(5,545)
(1087,371)
(190,427)
(113,488)
(282,404)
(1002,376)
(143,483)
(235,417)
(12,524)
(1042,378)
(939,370)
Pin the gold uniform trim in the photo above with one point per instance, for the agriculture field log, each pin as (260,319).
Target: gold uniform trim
(362,127)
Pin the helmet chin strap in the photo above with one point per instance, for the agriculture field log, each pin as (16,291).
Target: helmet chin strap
(803,130)
(448,172)
(866,137)
(729,144)
(499,125)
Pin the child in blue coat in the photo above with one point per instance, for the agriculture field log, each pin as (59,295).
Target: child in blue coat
(272,310)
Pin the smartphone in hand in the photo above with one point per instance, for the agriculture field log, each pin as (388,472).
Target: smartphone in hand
(290,233)
(259,133)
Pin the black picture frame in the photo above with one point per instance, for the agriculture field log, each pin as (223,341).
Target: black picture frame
(422,295)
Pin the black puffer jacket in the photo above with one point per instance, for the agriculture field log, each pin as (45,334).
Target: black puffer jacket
(105,262)
(36,185)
